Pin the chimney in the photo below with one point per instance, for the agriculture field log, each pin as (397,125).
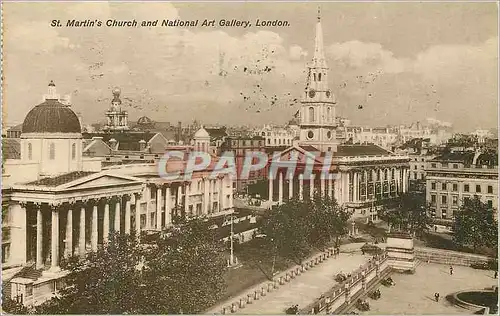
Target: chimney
(142,145)
(179,131)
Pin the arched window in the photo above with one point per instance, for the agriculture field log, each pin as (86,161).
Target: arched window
(319,77)
(311,114)
(30,151)
(52,151)
(314,76)
(73,151)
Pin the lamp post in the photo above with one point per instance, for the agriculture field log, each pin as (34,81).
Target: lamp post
(231,238)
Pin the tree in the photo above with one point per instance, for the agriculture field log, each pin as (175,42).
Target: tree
(297,225)
(327,220)
(475,224)
(407,213)
(179,270)
(287,228)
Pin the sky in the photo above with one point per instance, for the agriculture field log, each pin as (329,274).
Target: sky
(402,62)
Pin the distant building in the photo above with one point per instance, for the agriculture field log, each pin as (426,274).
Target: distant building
(482,135)
(15,131)
(117,119)
(455,176)
(276,136)
(239,146)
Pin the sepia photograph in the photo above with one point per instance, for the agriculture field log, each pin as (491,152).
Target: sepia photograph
(245,157)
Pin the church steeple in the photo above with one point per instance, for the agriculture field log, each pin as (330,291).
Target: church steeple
(317,113)
(319,55)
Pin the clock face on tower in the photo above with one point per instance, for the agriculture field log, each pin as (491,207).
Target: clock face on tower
(312,93)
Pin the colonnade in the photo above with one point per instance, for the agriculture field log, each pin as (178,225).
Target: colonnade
(68,225)
(352,185)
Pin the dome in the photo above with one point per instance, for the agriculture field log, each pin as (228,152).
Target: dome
(201,133)
(51,116)
(144,120)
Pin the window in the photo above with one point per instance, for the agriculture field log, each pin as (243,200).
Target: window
(444,199)
(433,185)
(319,77)
(490,203)
(152,194)
(478,188)
(433,165)
(311,114)
(490,189)
(386,174)
(415,176)
(423,160)
(466,188)
(433,199)
(52,151)
(454,200)
(455,187)
(455,166)
(30,151)
(443,186)
(392,174)
(415,167)
(314,76)
(73,151)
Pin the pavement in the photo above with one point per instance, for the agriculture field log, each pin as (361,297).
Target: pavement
(414,293)
(307,287)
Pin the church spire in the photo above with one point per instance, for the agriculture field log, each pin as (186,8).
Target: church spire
(319,55)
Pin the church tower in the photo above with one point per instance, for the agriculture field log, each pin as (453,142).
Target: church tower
(117,119)
(317,112)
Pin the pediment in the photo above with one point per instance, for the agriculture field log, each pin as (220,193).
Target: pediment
(100,180)
(301,154)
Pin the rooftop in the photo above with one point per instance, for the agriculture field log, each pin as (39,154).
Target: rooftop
(360,150)
(61,179)
(11,148)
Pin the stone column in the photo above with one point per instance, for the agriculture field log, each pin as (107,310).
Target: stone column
(280,188)
(127,215)
(322,185)
(69,234)
(330,185)
(311,186)
(95,231)
(270,189)
(206,193)
(158,208)
(290,186)
(301,186)
(221,195)
(168,218)
(355,187)
(186,199)
(138,215)
(39,236)
(117,216)
(55,240)
(105,223)
(81,233)
(147,197)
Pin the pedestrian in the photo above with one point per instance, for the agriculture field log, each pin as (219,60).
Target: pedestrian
(496,274)
(451,270)
(436,296)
